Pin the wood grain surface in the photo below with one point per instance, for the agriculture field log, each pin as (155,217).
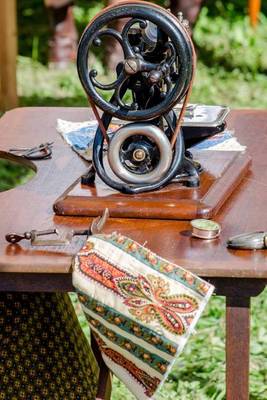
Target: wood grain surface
(222,173)
(237,347)
(30,206)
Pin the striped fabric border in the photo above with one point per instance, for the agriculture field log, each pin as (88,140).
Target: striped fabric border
(140,307)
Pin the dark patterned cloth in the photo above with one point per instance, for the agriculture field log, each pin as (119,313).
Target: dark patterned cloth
(44,353)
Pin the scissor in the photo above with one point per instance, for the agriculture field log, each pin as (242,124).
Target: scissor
(41,152)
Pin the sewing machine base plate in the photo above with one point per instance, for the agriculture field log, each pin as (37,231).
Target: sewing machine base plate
(223,172)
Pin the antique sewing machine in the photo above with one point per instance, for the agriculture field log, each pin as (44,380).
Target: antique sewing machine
(155,73)
(144,169)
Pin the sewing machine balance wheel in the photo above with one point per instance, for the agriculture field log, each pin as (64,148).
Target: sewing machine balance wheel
(154,74)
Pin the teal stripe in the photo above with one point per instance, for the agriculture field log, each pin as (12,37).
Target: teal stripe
(154,361)
(139,255)
(128,325)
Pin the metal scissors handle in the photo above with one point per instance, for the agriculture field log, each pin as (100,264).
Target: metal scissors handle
(41,152)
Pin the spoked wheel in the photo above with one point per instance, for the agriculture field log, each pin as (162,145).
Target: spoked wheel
(154,73)
(157,64)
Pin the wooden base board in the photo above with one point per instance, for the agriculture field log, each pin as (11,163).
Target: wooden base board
(223,171)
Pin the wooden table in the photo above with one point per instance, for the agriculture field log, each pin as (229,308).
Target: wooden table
(237,275)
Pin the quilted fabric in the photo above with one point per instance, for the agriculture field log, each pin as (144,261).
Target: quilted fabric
(140,307)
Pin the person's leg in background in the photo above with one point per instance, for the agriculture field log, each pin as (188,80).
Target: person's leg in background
(113,50)
(63,43)
(189,8)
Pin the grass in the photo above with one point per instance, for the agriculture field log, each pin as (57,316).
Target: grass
(39,86)
(13,174)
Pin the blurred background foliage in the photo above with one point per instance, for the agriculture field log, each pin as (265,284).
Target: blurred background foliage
(232,67)
(222,34)
(232,63)
(13,174)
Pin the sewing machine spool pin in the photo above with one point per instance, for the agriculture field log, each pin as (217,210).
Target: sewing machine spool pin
(155,75)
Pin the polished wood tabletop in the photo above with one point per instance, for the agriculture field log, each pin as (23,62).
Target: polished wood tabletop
(29,206)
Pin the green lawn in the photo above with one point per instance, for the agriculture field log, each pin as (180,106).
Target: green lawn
(231,70)
(39,86)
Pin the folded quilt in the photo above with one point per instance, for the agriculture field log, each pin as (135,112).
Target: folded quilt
(141,308)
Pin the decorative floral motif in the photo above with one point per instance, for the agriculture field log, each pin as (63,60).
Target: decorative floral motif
(87,247)
(94,265)
(141,308)
(126,324)
(151,259)
(149,299)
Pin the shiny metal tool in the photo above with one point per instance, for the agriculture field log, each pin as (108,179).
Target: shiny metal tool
(249,241)
(41,152)
(60,238)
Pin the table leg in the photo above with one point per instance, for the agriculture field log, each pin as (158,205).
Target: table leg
(237,347)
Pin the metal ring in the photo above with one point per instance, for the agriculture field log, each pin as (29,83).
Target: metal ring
(152,132)
(205,228)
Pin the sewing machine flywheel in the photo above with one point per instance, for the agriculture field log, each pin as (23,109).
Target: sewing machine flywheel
(157,65)
(155,73)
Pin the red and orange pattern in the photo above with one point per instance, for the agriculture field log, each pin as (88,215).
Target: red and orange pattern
(150,383)
(147,298)
(140,307)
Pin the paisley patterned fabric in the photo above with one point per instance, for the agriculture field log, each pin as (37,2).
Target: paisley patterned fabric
(43,351)
(140,307)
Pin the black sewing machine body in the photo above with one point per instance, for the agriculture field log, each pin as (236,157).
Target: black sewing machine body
(156,74)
